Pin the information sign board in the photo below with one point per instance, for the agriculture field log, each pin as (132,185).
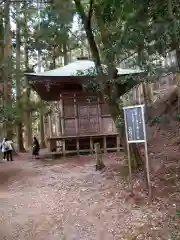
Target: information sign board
(134,121)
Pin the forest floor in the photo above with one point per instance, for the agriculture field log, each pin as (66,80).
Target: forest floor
(67,199)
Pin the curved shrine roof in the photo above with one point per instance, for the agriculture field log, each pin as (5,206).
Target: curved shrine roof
(79,68)
(50,84)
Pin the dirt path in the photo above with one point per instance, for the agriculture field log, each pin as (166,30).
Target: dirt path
(68,200)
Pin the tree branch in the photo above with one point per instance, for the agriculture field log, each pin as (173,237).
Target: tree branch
(125,58)
(90,11)
(75,35)
(90,36)
(80,9)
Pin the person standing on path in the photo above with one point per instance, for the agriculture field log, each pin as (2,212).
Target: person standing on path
(4,148)
(35,148)
(9,149)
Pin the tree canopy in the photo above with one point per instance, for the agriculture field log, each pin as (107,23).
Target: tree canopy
(137,34)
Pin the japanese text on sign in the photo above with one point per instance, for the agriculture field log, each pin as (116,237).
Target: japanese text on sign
(134,123)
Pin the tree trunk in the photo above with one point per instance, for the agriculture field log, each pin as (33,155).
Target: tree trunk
(27,113)
(108,55)
(82,47)
(89,52)
(117,112)
(175,45)
(90,37)
(174,37)
(1,43)
(65,55)
(7,69)
(113,105)
(18,81)
(70,56)
(53,63)
(1,67)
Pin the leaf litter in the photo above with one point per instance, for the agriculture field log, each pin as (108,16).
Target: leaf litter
(69,200)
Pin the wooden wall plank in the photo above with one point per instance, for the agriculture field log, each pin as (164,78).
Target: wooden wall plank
(61,113)
(50,125)
(88,115)
(76,115)
(99,115)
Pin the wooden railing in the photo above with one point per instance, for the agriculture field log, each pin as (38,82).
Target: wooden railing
(158,89)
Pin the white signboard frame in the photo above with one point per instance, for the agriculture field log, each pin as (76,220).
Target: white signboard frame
(142,140)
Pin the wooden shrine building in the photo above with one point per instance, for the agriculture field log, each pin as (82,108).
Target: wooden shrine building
(77,120)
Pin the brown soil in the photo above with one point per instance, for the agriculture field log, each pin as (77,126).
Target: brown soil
(68,199)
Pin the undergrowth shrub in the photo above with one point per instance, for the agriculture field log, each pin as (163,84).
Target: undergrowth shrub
(155,119)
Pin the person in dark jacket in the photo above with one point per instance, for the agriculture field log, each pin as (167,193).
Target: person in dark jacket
(35,148)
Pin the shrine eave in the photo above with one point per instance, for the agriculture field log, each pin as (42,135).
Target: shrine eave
(56,79)
(49,89)
(70,78)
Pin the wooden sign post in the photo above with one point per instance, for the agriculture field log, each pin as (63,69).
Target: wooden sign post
(136,133)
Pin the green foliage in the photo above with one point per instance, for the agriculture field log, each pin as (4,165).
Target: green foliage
(91,72)
(9,114)
(52,34)
(136,33)
(119,122)
(91,84)
(140,31)
(127,31)
(155,119)
(120,85)
(178,117)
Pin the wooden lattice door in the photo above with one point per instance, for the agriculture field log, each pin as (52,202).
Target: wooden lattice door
(94,118)
(83,117)
(88,118)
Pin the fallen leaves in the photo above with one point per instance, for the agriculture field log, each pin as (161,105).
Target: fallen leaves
(69,199)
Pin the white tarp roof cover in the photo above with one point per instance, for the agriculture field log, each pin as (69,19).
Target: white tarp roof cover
(78,68)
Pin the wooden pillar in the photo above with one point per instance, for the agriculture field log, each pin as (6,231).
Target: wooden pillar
(62,122)
(56,118)
(91,145)
(99,116)
(105,144)
(77,145)
(57,124)
(76,115)
(99,160)
(61,114)
(53,120)
(50,125)
(59,119)
(64,147)
(76,122)
(118,142)
(46,133)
